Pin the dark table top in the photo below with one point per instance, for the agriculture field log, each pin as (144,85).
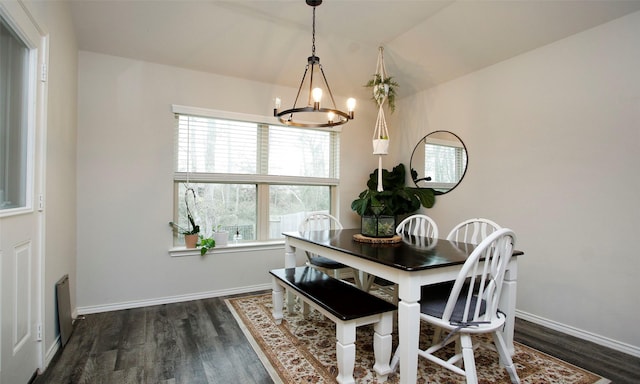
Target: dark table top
(411,254)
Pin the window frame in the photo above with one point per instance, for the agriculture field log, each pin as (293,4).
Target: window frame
(33,105)
(261,180)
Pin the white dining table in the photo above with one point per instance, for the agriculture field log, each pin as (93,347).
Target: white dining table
(411,263)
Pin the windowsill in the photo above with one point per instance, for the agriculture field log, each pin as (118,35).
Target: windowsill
(230,248)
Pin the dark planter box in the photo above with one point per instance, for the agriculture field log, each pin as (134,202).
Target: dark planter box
(380,226)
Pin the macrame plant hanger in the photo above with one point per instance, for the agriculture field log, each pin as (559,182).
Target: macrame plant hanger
(380,133)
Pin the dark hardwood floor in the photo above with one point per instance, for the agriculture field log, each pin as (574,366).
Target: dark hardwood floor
(200,342)
(616,366)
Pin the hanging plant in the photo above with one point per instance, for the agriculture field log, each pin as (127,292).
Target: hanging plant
(383,88)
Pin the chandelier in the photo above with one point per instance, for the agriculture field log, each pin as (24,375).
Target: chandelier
(313,114)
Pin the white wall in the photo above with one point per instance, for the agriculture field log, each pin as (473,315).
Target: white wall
(60,173)
(125,187)
(554,146)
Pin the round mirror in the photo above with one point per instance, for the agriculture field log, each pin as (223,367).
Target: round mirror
(439,161)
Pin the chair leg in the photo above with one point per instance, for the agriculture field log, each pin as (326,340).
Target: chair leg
(469,360)
(437,335)
(396,296)
(458,351)
(505,357)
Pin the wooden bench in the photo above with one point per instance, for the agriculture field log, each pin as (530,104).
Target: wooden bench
(347,306)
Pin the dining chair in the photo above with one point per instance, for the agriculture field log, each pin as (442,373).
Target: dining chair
(472,231)
(318,222)
(470,309)
(418,225)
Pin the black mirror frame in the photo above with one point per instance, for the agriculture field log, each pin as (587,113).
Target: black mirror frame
(420,142)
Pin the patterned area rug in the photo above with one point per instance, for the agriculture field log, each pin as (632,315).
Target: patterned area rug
(303,351)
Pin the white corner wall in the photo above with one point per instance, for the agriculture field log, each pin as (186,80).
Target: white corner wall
(60,175)
(553,138)
(125,187)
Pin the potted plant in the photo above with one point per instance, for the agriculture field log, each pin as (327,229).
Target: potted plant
(206,244)
(221,236)
(379,210)
(382,88)
(381,145)
(190,235)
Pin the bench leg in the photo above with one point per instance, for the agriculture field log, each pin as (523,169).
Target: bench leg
(277,298)
(382,345)
(345,351)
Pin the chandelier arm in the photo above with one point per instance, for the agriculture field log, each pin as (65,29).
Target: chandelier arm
(306,68)
(313,63)
(328,87)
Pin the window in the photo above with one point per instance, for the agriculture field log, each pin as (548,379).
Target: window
(14,128)
(445,163)
(252,178)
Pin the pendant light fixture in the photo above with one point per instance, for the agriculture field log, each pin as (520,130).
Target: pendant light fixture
(314,114)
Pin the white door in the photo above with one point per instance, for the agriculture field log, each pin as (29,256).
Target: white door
(22,110)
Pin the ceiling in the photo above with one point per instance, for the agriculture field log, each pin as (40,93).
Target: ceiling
(425,42)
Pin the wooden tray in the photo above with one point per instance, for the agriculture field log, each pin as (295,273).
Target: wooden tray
(377,240)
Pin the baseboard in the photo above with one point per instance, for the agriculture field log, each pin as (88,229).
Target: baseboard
(51,352)
(581,334)
(168,300)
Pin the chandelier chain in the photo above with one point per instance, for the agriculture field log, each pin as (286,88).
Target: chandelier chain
(313,34)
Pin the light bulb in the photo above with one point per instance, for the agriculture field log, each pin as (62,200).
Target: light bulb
(278,103)
(351,104)
(317,94)
(331,116)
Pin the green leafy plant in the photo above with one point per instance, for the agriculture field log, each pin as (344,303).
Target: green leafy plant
(206,244)
(396,198)
(383,87)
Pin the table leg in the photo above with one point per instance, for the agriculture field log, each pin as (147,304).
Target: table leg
(508,302)
(277,297)
(290,262)
(408,329)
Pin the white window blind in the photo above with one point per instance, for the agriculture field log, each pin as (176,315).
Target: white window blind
(218,146)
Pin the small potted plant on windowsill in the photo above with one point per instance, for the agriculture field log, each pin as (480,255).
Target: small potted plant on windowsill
(221,236)
(190,235)
(206,244)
